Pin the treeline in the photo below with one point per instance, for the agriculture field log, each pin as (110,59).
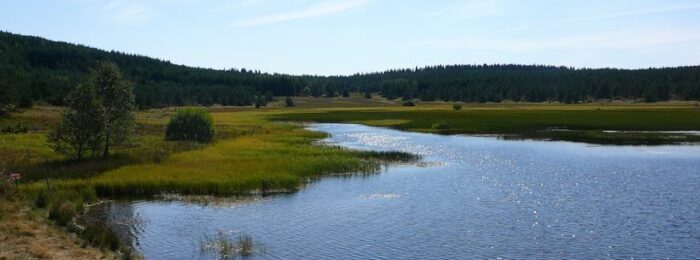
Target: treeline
(495,83)
(36,69)
(33,69)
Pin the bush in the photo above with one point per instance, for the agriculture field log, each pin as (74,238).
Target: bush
(409,104)
(99,235)
(63,212)
(191,124)
(457,107)
(19,128)
(260,102)
(288,102)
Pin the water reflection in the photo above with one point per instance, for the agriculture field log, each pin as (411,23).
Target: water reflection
(478,197)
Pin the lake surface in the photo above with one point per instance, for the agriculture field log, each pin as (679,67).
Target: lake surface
(474,197)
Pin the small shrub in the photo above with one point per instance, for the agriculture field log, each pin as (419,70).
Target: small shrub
(269,97)
(457,107)
(191,124)
(409,104)
(288,102)
(368,95)
(260,102)
(97,234)
(227,247)
(18,128)
(63,212)
(42,199)
(442,125)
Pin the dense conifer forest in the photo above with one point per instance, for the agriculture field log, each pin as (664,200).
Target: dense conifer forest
(37,69)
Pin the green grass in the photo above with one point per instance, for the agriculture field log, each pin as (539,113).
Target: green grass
(255,153)
(251,154)
(588,122)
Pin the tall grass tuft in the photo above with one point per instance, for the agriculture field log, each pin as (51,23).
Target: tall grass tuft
(226,246)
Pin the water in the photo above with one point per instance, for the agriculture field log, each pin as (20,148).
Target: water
(479,197)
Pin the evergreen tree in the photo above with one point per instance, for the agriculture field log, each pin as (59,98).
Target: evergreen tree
(306,92)
(269,96)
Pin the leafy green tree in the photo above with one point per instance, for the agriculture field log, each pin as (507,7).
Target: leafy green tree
(116,99)
(457,107)
(81,126)
(368,95)
(346,93)
(191,124)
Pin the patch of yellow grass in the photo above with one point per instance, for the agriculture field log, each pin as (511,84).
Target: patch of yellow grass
(24,235)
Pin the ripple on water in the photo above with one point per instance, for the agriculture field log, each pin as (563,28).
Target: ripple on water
(482,198)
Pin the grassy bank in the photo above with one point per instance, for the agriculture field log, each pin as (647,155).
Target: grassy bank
(250,155)
(255,154)
(633,124)
(26,234)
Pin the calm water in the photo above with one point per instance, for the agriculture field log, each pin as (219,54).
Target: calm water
(479,197)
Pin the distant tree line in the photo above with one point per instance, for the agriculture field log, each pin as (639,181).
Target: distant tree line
(495,83)
(36,69)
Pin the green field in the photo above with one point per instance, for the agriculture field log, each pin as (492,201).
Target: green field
(633,124)
(251,155)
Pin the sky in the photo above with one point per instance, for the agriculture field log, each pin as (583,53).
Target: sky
(341,37)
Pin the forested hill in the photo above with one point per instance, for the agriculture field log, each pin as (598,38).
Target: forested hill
(40,69)
(33,68)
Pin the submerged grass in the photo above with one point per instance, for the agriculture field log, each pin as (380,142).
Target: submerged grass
(225,246)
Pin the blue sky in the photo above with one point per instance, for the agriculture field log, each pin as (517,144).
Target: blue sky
(347,36)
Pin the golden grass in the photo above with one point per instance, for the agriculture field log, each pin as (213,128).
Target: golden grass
(25,235)
(251,155)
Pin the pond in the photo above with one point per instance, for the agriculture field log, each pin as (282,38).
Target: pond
(470,197)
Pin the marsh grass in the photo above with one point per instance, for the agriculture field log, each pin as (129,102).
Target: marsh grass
(227,246)
(586,122)
(251,156)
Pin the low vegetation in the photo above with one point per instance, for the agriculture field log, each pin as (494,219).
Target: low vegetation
(251,153)
(26,234)
(191,124)
(586,123)
(226,246)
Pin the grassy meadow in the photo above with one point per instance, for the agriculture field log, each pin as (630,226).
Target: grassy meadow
(602,123)
(251,154)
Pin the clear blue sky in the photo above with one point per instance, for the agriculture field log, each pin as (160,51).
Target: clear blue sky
(347,36)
